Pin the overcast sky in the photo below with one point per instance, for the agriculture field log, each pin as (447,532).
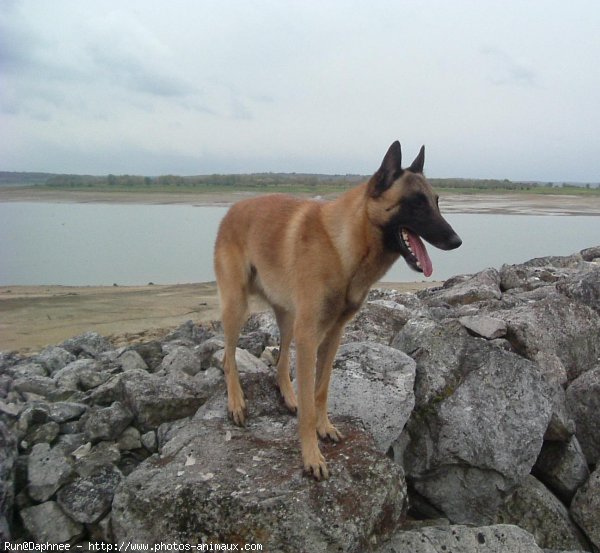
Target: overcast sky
(500,89)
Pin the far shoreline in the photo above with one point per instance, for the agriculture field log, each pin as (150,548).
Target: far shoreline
(521,203)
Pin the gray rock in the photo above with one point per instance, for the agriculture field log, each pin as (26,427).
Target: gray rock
(378,321)
(573,261)
(54,358)
(263,321)
(246,362)
(47,523)
(555,325)
(590,254)
(63,411)
(31,416)
(455,452)
(190,332)
(182,359)
(373,383)
(70,442)
(532,507)
(584,289)
(440,352)
(484,326)
(254,342)
(106,423)
(27,370)
(539,272)
(149,441)
(90,344)
(9,359)
(91,459)
(562,425)
(45,433)
(131,360)
(83,374)
(8,457)
(562,467)
(102,530)
(465,290)
(463,539)
(154,400)
(36,384)
(130,439)
(583,400)
(585,508)
(151,353)
(215,481)
(11,409)
(207,349)
(47,469)
(88,499)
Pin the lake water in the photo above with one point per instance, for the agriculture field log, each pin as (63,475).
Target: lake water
(97,244)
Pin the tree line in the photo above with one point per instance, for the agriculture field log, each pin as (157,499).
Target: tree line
(272,180)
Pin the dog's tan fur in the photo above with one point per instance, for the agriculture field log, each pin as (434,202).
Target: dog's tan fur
(314,262)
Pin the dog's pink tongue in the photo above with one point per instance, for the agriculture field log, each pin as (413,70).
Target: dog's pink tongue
(420,252)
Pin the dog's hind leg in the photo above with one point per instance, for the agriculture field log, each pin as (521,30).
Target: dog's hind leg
(325,357)
(285,322)
(233,291)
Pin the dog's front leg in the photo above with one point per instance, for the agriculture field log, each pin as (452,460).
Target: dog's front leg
(306,351)
(325,357)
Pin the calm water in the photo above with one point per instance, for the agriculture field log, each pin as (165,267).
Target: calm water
(95,244)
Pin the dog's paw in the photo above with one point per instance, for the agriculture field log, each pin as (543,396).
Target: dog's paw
(315,465)
(291,403)
(289,397)
(237,410)
(327,431)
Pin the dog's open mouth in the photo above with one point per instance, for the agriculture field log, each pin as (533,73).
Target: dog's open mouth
(416,256)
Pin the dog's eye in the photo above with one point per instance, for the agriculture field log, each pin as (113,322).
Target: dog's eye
(419,200)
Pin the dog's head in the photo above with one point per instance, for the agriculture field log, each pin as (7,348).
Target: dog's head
(403,204)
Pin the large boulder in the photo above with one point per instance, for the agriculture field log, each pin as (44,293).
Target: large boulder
(534,508)
(47,523)
(583,288)
(379,320)
(466,448)
(215,481)
(583,400)
(558,326)
(585,508)
(374,383)
(440,350)
(465,289)
(47,470)
(562,467)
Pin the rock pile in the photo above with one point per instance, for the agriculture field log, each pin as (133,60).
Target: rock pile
(470,413)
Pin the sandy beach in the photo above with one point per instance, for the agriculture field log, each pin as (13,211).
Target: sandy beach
(32,317)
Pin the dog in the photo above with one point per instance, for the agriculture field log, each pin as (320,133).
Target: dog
(314,263)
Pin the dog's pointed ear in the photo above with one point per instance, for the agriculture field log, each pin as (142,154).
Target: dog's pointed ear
(390,170)
(419,162)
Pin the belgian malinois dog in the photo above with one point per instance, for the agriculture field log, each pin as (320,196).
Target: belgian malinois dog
(314,262)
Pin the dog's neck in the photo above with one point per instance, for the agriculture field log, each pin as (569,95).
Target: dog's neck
(366,264)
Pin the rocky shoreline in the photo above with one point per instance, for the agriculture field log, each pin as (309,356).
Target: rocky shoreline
(470,413)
